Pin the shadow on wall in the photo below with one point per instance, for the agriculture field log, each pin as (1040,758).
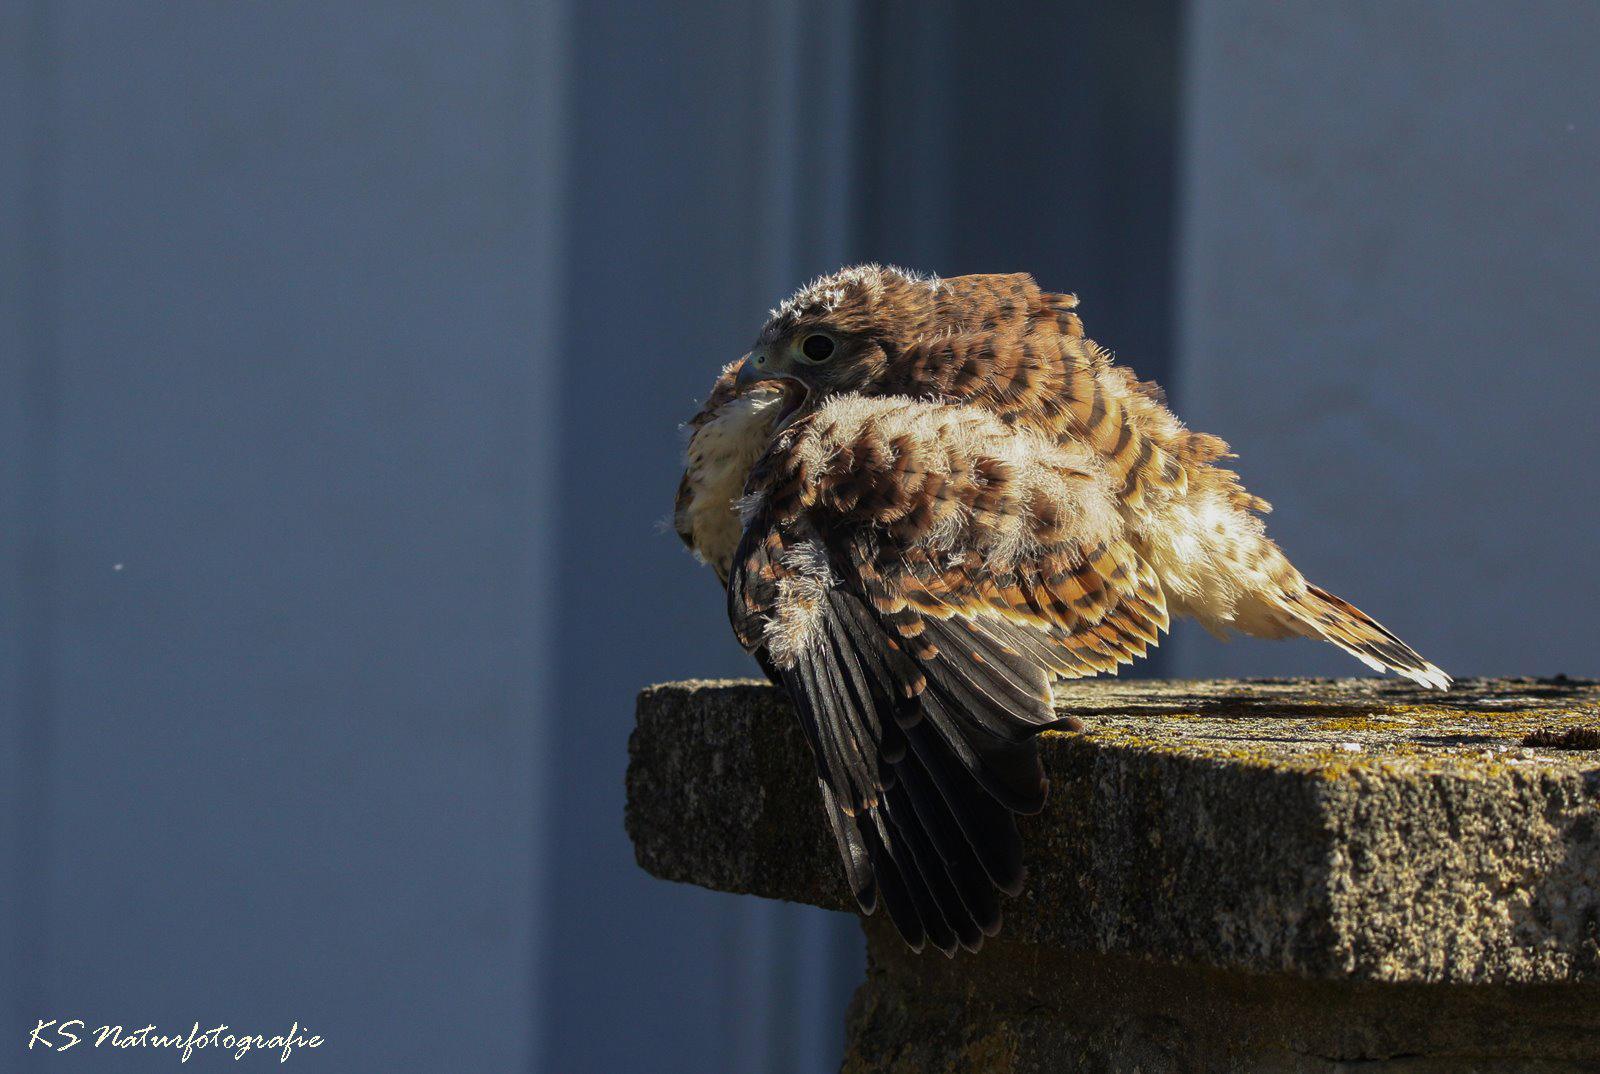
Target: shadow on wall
(926,145)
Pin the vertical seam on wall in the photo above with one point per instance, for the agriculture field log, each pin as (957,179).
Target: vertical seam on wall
(810,192)
(756,969)
(539,144)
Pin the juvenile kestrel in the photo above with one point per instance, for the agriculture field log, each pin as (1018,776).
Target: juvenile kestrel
(929,499)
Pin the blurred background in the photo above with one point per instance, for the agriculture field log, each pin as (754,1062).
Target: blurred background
(342,352)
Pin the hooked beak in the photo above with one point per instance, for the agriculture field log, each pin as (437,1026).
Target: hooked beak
(758,366)
(761,366)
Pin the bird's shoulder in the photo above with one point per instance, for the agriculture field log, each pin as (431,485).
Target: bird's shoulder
(1024,357)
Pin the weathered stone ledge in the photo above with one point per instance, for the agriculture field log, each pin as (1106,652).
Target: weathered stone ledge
(1356,869)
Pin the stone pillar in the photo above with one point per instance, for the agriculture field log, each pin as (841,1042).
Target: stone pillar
(1253,876)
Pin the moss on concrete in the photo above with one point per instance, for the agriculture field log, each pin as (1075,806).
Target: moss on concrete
(1352,828)
(1276,875)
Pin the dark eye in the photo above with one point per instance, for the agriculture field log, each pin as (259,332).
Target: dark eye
(816,348)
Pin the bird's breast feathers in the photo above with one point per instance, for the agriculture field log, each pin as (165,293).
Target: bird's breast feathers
(719,457)
(940,477)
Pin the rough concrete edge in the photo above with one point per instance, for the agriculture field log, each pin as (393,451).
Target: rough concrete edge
(1324,915)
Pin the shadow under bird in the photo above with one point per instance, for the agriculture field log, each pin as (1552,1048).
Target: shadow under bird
(931,498)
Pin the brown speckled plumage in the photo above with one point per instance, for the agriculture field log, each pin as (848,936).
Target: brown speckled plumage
(955,501)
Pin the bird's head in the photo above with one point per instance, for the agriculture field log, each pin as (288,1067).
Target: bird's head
(810,363)
(837,335)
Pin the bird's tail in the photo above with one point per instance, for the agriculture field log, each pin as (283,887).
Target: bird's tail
(1320,614)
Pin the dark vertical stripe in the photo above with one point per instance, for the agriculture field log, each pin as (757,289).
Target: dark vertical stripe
(911,81)
(1136,471)
(1122,442)
(1097,409)
(536,166)
(1065,167)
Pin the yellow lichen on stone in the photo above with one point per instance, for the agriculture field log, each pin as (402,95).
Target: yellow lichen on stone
(995,1051)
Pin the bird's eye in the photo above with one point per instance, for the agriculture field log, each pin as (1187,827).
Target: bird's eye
(816,348)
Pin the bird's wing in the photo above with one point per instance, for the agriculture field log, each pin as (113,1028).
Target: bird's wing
(918,574)
(1021,353)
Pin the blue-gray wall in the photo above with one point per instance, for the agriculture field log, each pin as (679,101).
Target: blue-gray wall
(1390,253)
(279,295)
(342,348)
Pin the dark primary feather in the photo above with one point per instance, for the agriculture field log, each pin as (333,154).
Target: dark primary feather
(935,839)
(922,718)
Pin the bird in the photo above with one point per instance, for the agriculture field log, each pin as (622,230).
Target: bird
(930,499)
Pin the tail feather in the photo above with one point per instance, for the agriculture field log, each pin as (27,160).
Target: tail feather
(1323,615)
